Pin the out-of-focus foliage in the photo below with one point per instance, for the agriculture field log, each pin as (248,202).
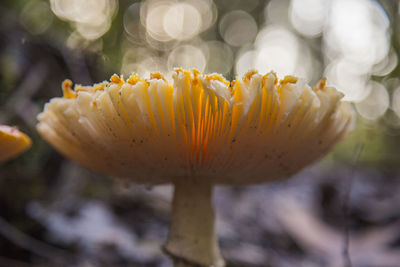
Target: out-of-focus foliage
(354,43)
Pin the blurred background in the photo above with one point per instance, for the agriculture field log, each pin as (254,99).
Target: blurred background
(342,211)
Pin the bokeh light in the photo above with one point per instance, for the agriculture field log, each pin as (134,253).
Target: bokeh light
(219,57)
(276,12)
(238,28)
(306,38)
(91,18)
(386,65)
(132,25)
(182,21)
(187,56)
(154,19)
(357,44)
(349,78)
(308,16)
(396,101)
(277,49)
(360,36)
(207,10)
(36,17)
(142,61)
(376,103)
(245,61)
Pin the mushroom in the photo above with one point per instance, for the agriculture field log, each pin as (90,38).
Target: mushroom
(199,131)
(12,142)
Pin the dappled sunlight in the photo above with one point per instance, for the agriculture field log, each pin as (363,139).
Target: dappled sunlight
(355,45)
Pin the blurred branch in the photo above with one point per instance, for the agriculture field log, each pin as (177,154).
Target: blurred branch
(15,263)
(35,246)
(19,103)
(346,207)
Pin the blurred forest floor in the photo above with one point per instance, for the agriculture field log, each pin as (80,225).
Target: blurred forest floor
(76,218)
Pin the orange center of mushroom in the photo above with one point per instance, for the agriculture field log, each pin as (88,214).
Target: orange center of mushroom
(201,125)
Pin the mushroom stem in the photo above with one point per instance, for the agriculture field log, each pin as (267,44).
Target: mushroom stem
(191,240)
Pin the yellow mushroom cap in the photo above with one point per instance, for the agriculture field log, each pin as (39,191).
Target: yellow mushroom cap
(252,130)
(12,142)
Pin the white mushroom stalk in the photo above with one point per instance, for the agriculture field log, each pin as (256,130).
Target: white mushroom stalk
(12,142)
(199,131)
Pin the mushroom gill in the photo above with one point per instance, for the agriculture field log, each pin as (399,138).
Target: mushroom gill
(12,142)
(199,131)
